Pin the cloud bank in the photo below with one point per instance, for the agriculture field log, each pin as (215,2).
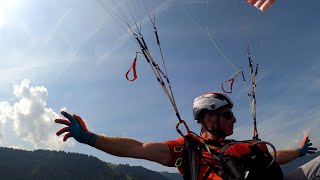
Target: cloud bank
(29,118)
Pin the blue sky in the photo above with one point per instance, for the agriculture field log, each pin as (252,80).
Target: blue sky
(73,55)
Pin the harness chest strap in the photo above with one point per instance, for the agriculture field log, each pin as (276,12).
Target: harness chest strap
(211,152)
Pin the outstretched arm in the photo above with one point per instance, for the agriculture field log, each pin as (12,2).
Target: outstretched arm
(126,147)
(117,146)
(286,156)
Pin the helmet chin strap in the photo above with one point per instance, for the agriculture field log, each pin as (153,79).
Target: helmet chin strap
(215,131)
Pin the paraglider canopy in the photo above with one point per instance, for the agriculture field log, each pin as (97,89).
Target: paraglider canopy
(261,4)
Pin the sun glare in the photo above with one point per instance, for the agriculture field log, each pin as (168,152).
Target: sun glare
(6,6)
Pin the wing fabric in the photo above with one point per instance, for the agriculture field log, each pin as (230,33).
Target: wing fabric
(261,4)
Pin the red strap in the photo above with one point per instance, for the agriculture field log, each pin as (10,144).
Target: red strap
(133,67)
(231,85)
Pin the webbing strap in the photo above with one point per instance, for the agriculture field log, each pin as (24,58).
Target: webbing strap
(133,68)
(231,84)
(210,169)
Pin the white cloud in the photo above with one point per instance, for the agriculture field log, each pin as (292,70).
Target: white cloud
(32,121)
(5,111)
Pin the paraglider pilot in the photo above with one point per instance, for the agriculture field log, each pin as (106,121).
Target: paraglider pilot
(208,156)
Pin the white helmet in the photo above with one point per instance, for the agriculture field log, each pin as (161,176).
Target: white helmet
(210,101)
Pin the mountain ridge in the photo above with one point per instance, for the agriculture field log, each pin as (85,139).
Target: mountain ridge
(46,164)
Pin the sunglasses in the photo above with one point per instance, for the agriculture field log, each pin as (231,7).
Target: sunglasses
(228,115)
